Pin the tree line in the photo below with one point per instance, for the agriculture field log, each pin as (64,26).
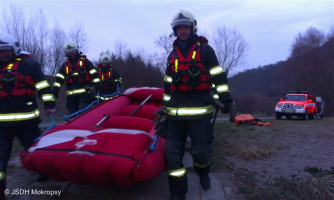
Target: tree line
(46,45)
(310,67)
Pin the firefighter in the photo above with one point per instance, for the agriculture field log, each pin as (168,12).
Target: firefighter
(20,80)
(192,76)
(109,77)
(79,75)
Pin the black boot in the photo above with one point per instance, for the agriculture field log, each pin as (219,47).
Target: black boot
(41,177)
(205,181)
(177,197)
(203,173)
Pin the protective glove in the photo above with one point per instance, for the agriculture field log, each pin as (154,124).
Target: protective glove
(160,122)
(227,106)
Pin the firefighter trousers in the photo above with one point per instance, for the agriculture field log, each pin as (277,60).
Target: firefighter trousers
(26,134)
(77,103)
(201,135)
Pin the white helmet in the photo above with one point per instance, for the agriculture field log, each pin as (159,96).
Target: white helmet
(25,53)
(105,58)
(9,42)
(184,18)
(70,47)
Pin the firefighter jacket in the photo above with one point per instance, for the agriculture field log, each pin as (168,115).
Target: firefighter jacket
(109,78)
(79,75)
(20,80)
(192,75)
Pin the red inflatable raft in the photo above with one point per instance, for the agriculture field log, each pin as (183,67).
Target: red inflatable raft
(104,145)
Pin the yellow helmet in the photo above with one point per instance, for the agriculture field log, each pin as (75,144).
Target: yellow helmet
(105,58)
(184,18)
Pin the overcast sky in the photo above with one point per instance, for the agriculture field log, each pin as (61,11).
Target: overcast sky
(268,26)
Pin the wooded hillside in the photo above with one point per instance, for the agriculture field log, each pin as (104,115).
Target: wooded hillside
(258,90)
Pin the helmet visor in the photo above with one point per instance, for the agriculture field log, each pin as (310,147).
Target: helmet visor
(104,61)
(182,22)
(71,50)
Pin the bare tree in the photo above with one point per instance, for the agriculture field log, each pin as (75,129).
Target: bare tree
(31,34)
(120,49)
(304,43)
(78,34)
(331,33)
(39,37)
(230,47)
(57,56)
(14,23)
(164,42)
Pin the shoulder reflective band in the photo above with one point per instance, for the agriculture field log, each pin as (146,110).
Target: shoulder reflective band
(216,70)
(194,55)
(59,75)
(93,71)
(80,62)
(189,111)
(42,85)
(96,80)
(215,96)
(176,65)
(168,79)
(56,84)
(19,116)
(222,88)
(77,91)
(48,97)
(10,66)
(75,74)
(2,175)
(166,97)
(177,172)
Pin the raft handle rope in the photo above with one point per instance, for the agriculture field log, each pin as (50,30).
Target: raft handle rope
(49,128)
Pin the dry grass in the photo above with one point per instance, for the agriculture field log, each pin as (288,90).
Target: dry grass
(251,143)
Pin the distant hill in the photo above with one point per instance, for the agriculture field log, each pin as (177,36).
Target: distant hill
(258,90)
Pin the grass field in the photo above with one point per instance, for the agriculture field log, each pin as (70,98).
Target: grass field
(248,143)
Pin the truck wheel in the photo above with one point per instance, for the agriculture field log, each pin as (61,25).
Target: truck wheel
(278,115)
(321,116)
(288,116)
(304,116)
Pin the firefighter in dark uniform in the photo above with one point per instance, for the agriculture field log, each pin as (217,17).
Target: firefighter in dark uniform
(20,80)
(79,75)
(110,78)
(192,76)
